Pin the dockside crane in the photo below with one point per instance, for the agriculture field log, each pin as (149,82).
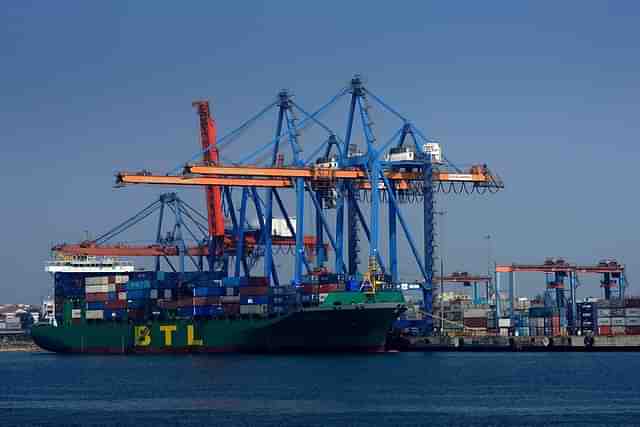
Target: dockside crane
(340,181)
(557,271)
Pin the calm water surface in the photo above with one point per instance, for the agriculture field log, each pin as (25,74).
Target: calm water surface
(456,389)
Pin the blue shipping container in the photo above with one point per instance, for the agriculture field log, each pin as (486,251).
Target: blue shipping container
(248,300)
(209,292)
(115,314)
(138,285)
(137,303)
(138,294)
(95,305)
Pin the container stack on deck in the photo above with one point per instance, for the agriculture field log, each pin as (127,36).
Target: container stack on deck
(616,317)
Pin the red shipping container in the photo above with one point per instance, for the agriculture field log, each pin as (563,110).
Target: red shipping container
(115,304)
(325,289)
(185,302)
(310,289)
(201,301)
(258,281)
(604,330)
(633,330)
(171,305)
(231,309)
(136,314)
(254,290)
(97,297)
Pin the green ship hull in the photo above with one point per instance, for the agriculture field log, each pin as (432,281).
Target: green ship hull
(326,328)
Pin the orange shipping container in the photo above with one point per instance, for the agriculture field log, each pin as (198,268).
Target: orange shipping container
(97,297)
(201,301)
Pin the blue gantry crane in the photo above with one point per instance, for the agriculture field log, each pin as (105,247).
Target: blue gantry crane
(334,177)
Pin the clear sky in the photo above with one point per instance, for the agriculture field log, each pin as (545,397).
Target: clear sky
(544,92)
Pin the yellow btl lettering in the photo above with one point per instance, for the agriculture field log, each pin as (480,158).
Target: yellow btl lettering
(142,336)
(168,331)
(191,340)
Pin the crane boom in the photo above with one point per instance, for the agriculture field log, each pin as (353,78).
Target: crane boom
(210,156)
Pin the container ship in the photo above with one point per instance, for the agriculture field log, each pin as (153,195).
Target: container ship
(106,306)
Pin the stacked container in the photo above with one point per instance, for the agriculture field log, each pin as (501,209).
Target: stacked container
(611,317)
(632,316)
(475,320)
(587,318)
(255,296)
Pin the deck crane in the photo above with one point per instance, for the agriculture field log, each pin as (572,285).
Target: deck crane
(337,185)
(556,271)
(171,237)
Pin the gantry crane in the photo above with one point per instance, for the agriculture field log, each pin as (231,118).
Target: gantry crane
(556,271)
(339,180)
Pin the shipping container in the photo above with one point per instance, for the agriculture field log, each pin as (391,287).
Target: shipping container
(95,305)
(632,330)
(253,290)
(98,280)
(617,321)
(135,294)
(101,296)
(632,312)
(254,309)
(94,314)
(209,291)
(120,279)
(76,313)
(618,330)
(138,285)
(604,330)
(91,289)
(604,321)
(254,299)
(206,301)
(475,313)
(117,304)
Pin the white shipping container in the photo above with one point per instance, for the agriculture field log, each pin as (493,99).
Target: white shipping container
(3,325)
(604,312)
(254,309)
(94,289)
(122,279)
(231,291)
(100,280)
(475,312)
(122,296)
(167,294)
(632,321)
(617,321)
(504,323)
(632,312)
(604,321)
(153,294)
(94,314)
(76,313)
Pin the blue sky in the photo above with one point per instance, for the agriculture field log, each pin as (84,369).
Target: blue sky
(544,92)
